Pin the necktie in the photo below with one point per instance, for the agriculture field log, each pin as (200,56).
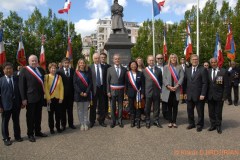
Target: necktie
(11,86)
(98,77)
(151,69)
(194,71)
(117,71)
(67,73)
(214,74)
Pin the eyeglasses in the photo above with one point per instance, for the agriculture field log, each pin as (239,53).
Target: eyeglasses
(159,58)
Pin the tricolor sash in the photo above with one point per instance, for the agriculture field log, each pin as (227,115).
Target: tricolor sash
(153,77)
(174,74)
(82,78)
(54,84)
(36,75)
(116,87)
(134,85)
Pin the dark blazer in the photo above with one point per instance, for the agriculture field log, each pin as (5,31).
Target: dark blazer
(67,82)
(219,87)
(150,87)
(234,76)
(130,91)
(80,87)
(113,79)
(104,77)
(30,88)
(196,85)
(6,99)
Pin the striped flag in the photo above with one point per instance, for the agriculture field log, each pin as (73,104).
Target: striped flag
(21,58)
(66,7)
(165,46)
(218,52)
(157,7)
(188,44)
(2,49)
(42,60)
(230,46)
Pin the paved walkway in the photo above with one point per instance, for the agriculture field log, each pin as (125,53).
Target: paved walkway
(132,143)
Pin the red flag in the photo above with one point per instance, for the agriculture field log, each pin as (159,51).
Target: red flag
(66,7)
(165,46)
(188,45)
(69,50)
(230,46)
(42,60)
(21,58)
(2,49)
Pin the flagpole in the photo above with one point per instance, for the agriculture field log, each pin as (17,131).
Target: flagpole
(153,30)
(198,27)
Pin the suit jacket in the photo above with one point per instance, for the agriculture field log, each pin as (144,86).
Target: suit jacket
(196,85)
(79,87)
(150,87)
(218,87)
(234,76)
(67,82)
(29,86)
(113,79)
(6,99)
(167,80)
(130,91)
(104,77)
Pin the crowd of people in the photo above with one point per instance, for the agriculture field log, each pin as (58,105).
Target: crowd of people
(102,86)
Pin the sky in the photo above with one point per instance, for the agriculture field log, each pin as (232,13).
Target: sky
(85,13)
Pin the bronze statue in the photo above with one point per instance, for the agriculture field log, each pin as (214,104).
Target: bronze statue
(117,21)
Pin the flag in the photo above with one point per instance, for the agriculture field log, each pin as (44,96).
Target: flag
(165,46)
(21,59)
(188,44)
(230,46)
(42,60)
(2,49)
(157,7)
(218,52)
(66,7)
(69,50)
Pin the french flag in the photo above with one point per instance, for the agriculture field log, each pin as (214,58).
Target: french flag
(157,7)
(21,59)
(2,49)
(66,7)
(42,60)
(218,52)
(188,44)
(165,46)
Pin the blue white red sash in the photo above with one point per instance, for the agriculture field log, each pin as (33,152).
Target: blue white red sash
(134,85)
(82,78)
(54,84)
(117,87)
(174,74)
(36,75)
(153,77)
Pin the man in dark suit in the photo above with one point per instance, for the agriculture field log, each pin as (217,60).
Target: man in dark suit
(67,106)
(31,87)
(234,79)
(153,83)
(10,103)
(197,84)
(103,59)
(115,89)
(217,93)
(99,75)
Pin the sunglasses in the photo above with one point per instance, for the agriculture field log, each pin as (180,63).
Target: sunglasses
(159,58)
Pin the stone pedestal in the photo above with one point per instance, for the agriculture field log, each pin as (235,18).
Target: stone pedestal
(120,44)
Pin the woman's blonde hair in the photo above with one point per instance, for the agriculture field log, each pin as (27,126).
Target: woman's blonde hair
(142,66)
(86,65)
(50,65)
(169,59)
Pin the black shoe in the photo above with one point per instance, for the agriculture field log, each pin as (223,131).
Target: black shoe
(133,124)
(72,126)
(52,131)
(112,125)
(102,124)
(191,126)
(147,125)
(91,124)
(211,128)
(63,128)
(230,103)
(199,129)
(219,130)
(31,139)
(40,134)
(7,142)
(19,139)
(138,124)
(59,130)
(235,104)
(157,124)
(120,124)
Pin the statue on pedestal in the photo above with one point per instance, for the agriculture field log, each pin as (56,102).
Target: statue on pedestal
(117,21)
